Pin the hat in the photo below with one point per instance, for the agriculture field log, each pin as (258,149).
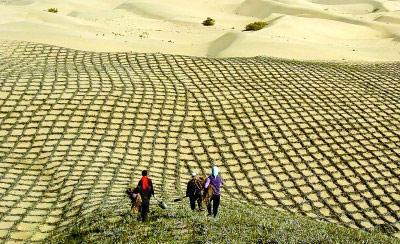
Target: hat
(194,174)
(214,171)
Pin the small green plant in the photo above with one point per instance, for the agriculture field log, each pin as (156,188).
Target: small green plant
(144,35)
(209,22)
(52,10)
(255,26)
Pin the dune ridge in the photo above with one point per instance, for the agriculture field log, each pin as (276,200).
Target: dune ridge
(298,29)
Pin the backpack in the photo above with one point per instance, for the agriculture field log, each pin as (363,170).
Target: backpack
(145,186)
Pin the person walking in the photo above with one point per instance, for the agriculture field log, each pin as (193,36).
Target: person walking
(146,190)
(194,191)
(215,182)
(136,200)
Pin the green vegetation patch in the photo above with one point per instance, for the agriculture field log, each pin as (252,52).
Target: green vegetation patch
(52,10)
(255,26)
(209,22)
(236,223)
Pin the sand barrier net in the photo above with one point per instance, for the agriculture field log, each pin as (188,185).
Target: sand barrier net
(319,139)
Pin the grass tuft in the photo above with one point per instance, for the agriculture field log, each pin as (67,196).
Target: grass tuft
(255,26)
(52,10)
(209,22)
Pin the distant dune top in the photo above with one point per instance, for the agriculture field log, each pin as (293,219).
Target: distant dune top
(340,30)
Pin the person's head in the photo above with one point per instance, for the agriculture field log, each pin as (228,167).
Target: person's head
(194,174)
(214,171)
(144,173)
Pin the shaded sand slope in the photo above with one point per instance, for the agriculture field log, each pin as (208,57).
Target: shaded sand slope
(318,139)
(357,30)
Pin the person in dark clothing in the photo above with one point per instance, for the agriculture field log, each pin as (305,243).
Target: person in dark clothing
(146,190)
(194,191)
(215,182)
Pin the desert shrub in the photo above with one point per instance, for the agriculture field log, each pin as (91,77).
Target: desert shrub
(209,22)
(255,26)
(144,35)
(52,10)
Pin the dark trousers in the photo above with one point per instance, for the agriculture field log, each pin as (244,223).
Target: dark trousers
(193,199)
(144,209)
(215,199)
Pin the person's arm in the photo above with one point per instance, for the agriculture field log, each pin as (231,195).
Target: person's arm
(139,186)
(207,183)
(152,188)
(188,189)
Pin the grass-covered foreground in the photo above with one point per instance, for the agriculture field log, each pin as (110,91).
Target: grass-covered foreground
(237,223)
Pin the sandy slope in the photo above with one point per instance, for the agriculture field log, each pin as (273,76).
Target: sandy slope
(362,30)
(76,128)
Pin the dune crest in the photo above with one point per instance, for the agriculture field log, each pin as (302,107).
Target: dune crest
(355,30)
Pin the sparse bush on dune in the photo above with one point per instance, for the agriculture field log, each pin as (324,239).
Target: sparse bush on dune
(52,10)
(144,35)
(255,26)
(209,22)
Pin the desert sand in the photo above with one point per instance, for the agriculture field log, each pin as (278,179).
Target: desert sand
(90,96)
(77,128)
(340,30)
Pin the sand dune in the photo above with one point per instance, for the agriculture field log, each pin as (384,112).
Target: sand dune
(356,30)
(315,138)
(389,18)
(76,128)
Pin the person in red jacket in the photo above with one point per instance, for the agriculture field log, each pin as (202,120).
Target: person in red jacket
(146,190)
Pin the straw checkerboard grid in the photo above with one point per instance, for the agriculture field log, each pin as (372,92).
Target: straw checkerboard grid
(319,139)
